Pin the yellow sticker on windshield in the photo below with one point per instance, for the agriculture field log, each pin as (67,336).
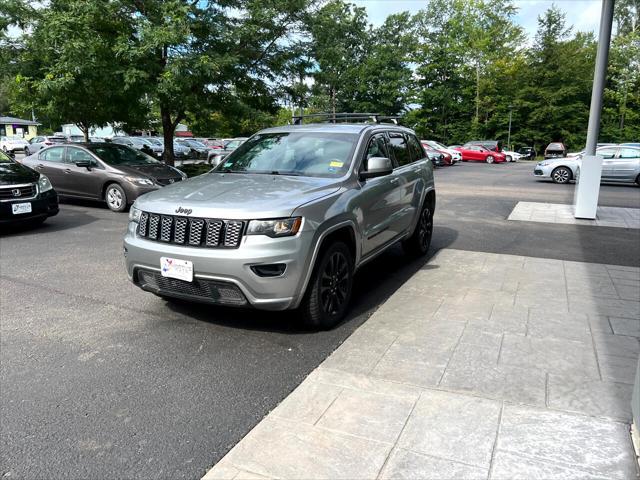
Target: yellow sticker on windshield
(336,164)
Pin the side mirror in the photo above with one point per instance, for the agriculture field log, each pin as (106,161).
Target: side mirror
(84,163)
(377,167)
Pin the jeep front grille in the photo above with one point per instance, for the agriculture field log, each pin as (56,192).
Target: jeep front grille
(195,232)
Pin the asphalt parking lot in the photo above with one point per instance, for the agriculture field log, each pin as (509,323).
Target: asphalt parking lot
(100,379)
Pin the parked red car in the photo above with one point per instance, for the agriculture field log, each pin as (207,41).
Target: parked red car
(446,157)
(478,153)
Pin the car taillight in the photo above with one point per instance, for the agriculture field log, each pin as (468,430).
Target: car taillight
(48,143)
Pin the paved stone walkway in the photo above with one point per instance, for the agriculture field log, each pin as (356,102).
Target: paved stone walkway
(562,213)
(480,366)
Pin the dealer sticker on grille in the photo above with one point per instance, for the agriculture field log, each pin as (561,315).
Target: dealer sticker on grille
(174,268)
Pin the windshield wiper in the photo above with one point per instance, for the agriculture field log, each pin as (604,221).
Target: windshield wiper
(277,172)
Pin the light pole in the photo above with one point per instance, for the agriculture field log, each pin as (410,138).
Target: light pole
(588,181)
(509,136)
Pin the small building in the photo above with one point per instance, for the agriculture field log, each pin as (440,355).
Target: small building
(11,126)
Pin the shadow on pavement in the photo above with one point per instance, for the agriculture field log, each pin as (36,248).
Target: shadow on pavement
(374,283)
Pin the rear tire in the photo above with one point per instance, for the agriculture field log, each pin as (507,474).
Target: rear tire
(115,197)
(561,175)
(327,298)
(508,158)
(419,242)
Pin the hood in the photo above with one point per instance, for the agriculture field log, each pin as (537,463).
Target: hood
(154,171)
(238,196)
(13,173)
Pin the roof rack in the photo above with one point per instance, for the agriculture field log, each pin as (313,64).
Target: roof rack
(346,117)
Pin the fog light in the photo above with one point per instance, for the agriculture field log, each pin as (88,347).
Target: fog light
(272,270)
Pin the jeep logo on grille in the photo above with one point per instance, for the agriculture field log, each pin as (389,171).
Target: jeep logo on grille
(186,211)
(16,192)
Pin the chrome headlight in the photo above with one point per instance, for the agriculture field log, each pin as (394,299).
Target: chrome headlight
(544,164)
(279,227)
(44,183)
(134,214)
(140,181)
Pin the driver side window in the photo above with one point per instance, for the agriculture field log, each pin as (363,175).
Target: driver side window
(377,148)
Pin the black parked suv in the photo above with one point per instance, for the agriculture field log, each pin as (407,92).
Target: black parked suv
(25,195)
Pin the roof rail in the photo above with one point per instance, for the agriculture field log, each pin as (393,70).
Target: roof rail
(346,117)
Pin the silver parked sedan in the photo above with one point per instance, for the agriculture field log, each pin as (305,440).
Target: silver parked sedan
(620,164)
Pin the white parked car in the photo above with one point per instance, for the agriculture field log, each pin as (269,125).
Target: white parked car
(13,143)
(511,156)
(456,156)
(619,164)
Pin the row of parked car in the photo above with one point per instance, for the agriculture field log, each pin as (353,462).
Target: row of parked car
(488,151)
(211,150)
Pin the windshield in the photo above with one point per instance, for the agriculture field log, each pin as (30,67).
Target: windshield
(4,158)
(115,154)
(555,146)
(311,154)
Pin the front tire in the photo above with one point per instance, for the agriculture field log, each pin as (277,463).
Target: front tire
(489,159)
(508,158)
(115,197)
(329,290)
(561,175)
(419,242)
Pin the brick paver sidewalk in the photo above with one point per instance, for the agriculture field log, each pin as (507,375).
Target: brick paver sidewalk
(480,366)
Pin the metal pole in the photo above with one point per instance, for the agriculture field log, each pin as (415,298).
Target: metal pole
(599,76)
(509,136)
(587,189)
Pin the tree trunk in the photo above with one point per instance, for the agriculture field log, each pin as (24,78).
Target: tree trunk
(167,134)
(84,128)
(623,109)
(477,92)
(333,102)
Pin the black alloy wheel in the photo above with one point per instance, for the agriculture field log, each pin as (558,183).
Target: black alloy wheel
(418,244)
(329,290)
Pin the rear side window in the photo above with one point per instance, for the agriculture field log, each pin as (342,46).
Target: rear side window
(400,148)
(629,153)
(607,152)
(417,152)
(53,154)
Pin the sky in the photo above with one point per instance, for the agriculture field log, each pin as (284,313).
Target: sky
(584,15)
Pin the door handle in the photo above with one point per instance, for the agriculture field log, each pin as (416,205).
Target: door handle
(67,170)
(394,180)
(40,165)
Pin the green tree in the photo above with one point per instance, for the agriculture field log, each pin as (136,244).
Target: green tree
(69,69)
(202,56)
(339,33)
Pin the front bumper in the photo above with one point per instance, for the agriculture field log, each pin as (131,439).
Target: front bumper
(542,171)
(215,268)
(44,205)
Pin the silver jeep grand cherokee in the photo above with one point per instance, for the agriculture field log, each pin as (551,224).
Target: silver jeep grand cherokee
(286,219)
